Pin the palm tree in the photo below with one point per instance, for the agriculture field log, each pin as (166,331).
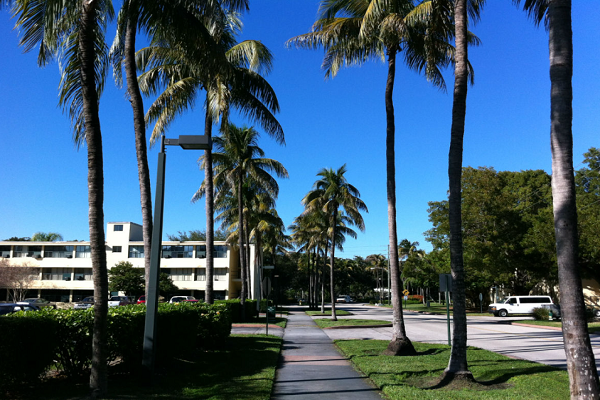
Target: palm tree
(74,32)
(330,192)
(378,262)
(353,31)
(237,84)
(171,19)
(239,161)
(46,237)
(581,364)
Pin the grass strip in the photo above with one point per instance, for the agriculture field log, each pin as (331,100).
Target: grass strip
(327,323)
(318,313)
(418,377)
(245,369)
(282,322)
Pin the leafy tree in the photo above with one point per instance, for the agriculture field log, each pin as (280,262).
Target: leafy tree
(124,277)
(196,235)
(330,193)
(17,278)
(581,365)
(18,239)
(46,237)
(74,32)
(166,287)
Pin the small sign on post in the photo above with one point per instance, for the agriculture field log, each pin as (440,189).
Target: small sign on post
(446,286)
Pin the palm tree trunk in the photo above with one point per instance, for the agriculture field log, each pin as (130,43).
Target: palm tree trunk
(331,264)
(241,245)
(400,343)
(457,366)
(93,137)
(210,211)
(247,247)
(310,279)
(323,283)
(139,127)
(581,364)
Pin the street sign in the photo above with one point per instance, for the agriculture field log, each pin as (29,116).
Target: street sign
(266,287)
(405,292)
(446,282)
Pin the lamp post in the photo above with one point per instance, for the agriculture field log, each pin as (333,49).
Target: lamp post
(186,142)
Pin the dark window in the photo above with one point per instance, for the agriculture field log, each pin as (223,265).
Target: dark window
(118,228)
(117,249)
(136,251)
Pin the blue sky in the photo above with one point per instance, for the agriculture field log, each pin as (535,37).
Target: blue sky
(326,124)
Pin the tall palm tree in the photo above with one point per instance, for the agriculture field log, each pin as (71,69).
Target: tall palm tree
(74,32)
(330,192)
(237,84)
(354,31)
(238,160)
(581,364)
(457,365)
(164,20)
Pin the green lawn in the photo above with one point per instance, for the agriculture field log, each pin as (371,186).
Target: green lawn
(244,370)
(327,323)
(439,308)
(418,377)
(282,322)
(317,313)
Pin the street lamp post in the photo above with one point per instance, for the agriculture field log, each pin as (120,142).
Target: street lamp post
(186,142)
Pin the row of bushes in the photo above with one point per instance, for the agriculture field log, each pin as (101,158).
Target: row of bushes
(33,342)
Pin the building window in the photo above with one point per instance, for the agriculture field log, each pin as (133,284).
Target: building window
(220,251)
(136,251)
(180,274)
(200,274)
(58,251)
(220,274)
(177,251)
(117,249)
(118,228)
(83,274)
(19,251)
(5,251)
(56,274)
(83,252)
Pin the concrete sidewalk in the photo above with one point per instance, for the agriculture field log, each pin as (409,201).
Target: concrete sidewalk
(311,367)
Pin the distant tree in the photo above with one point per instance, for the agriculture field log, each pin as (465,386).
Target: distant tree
(17,278)
(46,237)
(196,235)
(166,287)
(124,277)
(18,239)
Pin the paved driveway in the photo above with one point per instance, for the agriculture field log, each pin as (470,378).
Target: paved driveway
(490,333)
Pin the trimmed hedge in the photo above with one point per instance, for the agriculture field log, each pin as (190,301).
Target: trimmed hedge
(235,309)
(27,347)
(33,341)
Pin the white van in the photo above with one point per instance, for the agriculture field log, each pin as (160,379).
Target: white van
(520,305)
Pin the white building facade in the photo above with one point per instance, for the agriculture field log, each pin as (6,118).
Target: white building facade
(65,268)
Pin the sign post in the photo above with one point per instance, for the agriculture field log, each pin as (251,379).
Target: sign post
(446,286)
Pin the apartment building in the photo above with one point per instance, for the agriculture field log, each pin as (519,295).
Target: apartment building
(65,268)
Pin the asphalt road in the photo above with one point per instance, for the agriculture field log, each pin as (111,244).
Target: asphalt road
(490,333)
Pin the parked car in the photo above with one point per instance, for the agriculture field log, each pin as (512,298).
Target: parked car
(9,308)
(116,301)
(179,299)
(38,302)
(142,300)
(344,299)
(519,305)
(84,304)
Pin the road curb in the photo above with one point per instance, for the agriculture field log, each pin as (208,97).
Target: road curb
(360,326)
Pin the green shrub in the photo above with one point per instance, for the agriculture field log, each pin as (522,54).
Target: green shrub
(75,330)
(540,314)
(235,309)
(27,348)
